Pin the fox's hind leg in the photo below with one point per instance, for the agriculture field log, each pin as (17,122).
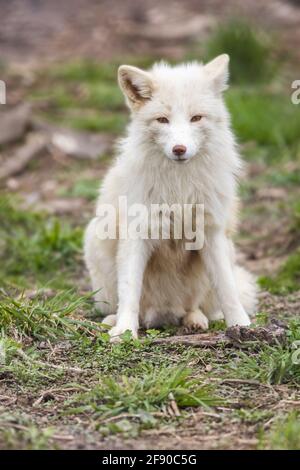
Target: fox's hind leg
(195,319)
(110,320)
(247,289)
(247,292)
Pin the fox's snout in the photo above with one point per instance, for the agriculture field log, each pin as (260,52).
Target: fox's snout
(179,150)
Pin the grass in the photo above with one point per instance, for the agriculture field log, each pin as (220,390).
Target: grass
(287,279)
(47,318)
(148,392)
(98,122)
(35,243)
(85,188)
(25,433)
(83,95)
(142,397)
(95,72)
(295,223)
(101,97)
(268,119)
(284,434)
(253,416)
(284,178)
(85,71)
(269,364)
(128,387)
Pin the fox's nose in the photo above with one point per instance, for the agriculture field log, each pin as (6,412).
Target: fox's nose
(179,150)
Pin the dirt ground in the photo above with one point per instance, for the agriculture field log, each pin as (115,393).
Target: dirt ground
(37,31)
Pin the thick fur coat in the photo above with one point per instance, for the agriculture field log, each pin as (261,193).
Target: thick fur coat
(179,149)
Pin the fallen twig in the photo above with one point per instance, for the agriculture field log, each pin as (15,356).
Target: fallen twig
(127,416)
(35,145)
(255,383)
(52,393)
(206,413)
(201,340)
(173,408)
(272,334)
(236,336)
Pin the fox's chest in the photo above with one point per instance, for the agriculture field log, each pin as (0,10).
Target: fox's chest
(186,190)
(176,192)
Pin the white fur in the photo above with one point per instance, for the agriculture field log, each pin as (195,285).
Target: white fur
(153,282)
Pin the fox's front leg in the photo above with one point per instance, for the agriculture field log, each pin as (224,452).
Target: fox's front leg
(132,258)
(216,257)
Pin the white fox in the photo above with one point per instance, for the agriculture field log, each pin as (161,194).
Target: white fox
(179,149)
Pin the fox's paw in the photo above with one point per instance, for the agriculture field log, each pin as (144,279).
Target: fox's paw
(116,332)
(238,318)
(195,320)
(110,320)
(216,315)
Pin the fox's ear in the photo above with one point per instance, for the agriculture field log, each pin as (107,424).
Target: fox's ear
(218,72)
(136,84)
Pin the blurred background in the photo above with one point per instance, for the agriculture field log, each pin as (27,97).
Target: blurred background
(64,110)
(62,115)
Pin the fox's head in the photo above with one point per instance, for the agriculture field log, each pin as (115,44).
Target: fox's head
(178,108)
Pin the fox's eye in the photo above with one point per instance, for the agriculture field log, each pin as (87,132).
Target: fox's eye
(196,118)
(163,120)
